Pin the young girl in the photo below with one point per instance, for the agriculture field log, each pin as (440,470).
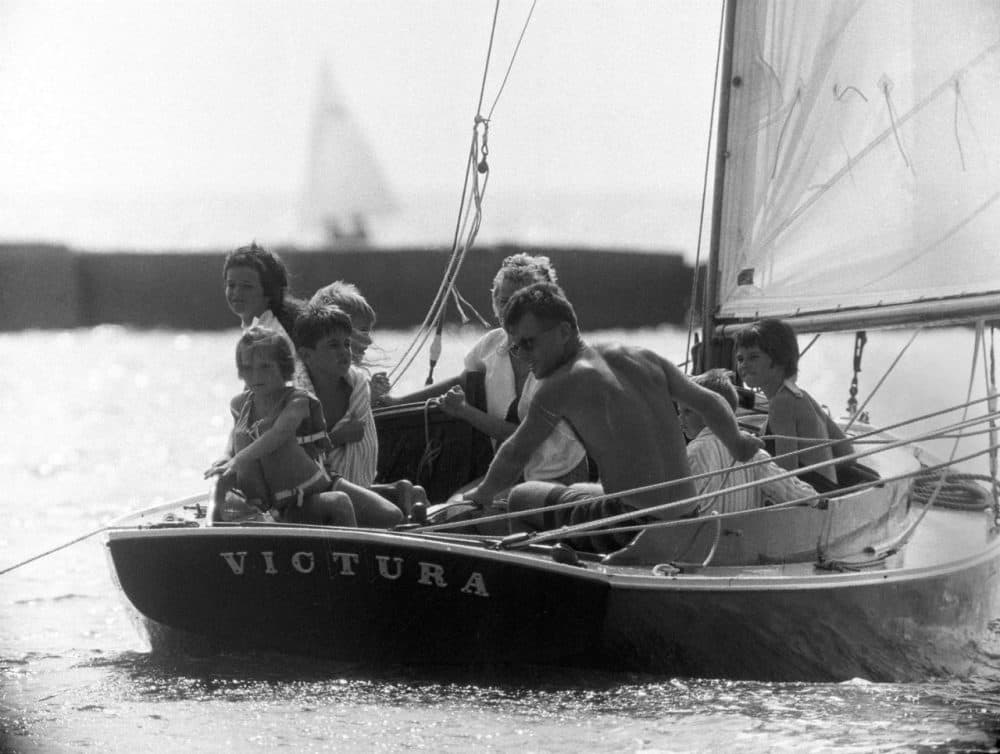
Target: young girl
(256,283)
(767,358)
(276,426)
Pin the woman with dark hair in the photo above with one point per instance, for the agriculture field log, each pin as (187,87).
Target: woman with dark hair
(256,287)
(767,358)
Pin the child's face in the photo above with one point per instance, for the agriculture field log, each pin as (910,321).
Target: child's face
(261,372)
(245,294)
(361,338)
(691,422)
(757,368)
(332,355)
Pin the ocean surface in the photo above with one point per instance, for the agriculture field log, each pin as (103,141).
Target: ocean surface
(101,421)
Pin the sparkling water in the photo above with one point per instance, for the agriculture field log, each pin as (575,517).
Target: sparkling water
(98,422)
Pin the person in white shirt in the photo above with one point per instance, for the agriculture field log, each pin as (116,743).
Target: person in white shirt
(509,383)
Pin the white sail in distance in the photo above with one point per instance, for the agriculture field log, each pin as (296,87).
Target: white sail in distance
(344,184)
(863,167)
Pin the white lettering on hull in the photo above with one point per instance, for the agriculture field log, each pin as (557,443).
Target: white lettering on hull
(350,565)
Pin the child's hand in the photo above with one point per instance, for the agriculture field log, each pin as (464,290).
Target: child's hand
(221,468)
(349,431)
(379,386)
(453,401)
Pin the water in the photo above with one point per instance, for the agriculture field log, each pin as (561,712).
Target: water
(98,422)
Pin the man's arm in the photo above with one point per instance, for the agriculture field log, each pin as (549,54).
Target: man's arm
(714,411)
(454,404)
(418,396)
(512,456)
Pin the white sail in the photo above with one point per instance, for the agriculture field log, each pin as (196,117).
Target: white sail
(344,183)
(864,160)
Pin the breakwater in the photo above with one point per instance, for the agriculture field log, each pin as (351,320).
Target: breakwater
(51,286)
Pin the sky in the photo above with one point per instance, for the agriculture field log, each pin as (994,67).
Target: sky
(127,97)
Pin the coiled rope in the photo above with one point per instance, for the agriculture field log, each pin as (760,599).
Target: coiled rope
(958,491)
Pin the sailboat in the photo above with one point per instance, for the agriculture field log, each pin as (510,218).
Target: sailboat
(345,186)
(856,188)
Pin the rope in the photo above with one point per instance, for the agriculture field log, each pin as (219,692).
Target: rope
(957,491)
(63,546)
(885,376)
(595,527)
(188,500)
(672,506)
(467,223)
(695,279)
(431,450)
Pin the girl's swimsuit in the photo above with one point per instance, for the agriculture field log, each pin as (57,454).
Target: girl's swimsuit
(310,434)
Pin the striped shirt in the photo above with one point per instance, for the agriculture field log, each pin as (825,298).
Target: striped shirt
(707,453)
(357,461)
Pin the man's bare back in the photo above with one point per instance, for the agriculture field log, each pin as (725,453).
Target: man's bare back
(618,400)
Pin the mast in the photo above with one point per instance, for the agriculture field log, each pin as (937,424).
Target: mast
(725,82)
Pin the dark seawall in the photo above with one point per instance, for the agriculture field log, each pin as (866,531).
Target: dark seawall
(49,286)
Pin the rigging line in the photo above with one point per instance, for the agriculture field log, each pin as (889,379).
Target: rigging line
(958,138)
(441,299)
(796,101)
(116,523)
(592,527)
(427,328)
(695,278)
(517,47)
(63,546)
(991,391)
(904,537)
(875,142)
(878,385)
(949,233)
(432,312)
(931,434)
(809,345)
(489,52)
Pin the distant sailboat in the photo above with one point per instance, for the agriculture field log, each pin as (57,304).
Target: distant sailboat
(344,185)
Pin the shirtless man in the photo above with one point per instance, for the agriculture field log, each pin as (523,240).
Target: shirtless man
(619,401)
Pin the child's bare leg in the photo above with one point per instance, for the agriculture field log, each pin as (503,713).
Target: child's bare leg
(325,508)
(372,510)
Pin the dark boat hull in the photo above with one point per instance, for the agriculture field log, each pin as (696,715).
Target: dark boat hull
(357,595)
(383,597)
(882,627)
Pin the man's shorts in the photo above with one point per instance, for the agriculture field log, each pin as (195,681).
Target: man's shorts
(542,495)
